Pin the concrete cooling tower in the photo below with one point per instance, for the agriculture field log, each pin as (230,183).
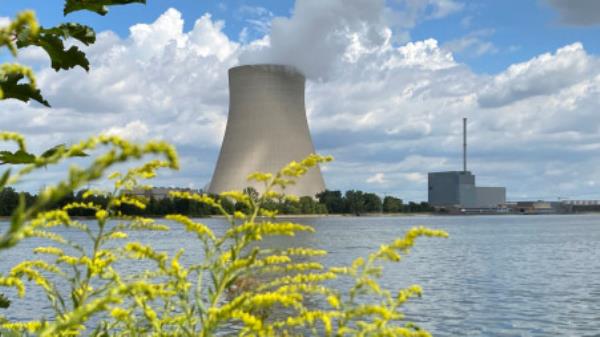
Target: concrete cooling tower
(266,129)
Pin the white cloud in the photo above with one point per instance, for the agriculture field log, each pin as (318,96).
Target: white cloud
(422,54)
(377,178)
(543,75)
(135,130)
(339,29)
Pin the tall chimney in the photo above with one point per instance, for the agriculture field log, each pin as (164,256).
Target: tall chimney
(266,129)
(465,144)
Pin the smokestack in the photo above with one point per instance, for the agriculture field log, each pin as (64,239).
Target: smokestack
(465,144)
(266,129)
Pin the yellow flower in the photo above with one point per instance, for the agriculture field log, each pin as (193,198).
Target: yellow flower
(48,250)
(194,227)
(249,320)
(334,301)
(118,235)
(101,215)
(260,177)
(239,215)
(30,327)
(13,282)
(120,314)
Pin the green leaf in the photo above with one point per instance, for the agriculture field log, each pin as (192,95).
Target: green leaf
(96,6)
(4,302)
(19,157)
(50,152)
(22,91)
(60,57)
(82,33)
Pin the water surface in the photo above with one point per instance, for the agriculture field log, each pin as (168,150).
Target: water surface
(494,276)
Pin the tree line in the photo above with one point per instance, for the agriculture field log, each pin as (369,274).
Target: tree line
(353,202)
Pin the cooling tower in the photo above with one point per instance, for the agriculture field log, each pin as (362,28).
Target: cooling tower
(266,129)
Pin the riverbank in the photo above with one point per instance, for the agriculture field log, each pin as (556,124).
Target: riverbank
(283,216)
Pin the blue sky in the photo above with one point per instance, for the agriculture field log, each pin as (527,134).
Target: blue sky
(403,74)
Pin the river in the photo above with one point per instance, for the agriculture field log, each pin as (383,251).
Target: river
(494,276)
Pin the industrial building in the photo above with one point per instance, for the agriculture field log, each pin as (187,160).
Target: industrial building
(456,190)
(266,129)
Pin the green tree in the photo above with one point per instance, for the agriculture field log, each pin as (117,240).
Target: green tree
(307,205)
(372,203)
(333,201)
(355,202)
(392,204)
(9,200)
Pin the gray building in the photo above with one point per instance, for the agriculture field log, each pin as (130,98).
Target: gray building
(266,129)
(457,189)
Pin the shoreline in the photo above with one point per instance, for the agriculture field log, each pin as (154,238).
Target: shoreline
(367,215)
(281,216)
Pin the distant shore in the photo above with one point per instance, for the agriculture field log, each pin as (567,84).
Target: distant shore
(286,216)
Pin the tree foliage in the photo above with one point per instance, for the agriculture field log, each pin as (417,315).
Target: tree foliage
(392,204)
(327,202)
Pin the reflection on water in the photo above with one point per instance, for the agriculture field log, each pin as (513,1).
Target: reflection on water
(495,276)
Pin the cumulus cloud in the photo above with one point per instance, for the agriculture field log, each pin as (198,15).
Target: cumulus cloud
(577,12)
(543,75)
(388,112)
(174,81)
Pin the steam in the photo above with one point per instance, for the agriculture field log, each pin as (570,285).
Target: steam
(319,33)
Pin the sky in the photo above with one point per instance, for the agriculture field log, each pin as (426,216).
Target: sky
(388,85)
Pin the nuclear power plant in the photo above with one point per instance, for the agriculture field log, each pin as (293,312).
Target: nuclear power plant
(456,190)
(266,129)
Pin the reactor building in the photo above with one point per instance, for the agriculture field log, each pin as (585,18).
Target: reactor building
(456,190)
(266,129)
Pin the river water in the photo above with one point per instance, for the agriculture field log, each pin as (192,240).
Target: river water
(494,276)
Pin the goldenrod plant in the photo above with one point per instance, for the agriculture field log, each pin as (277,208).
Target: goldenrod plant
(261,292)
